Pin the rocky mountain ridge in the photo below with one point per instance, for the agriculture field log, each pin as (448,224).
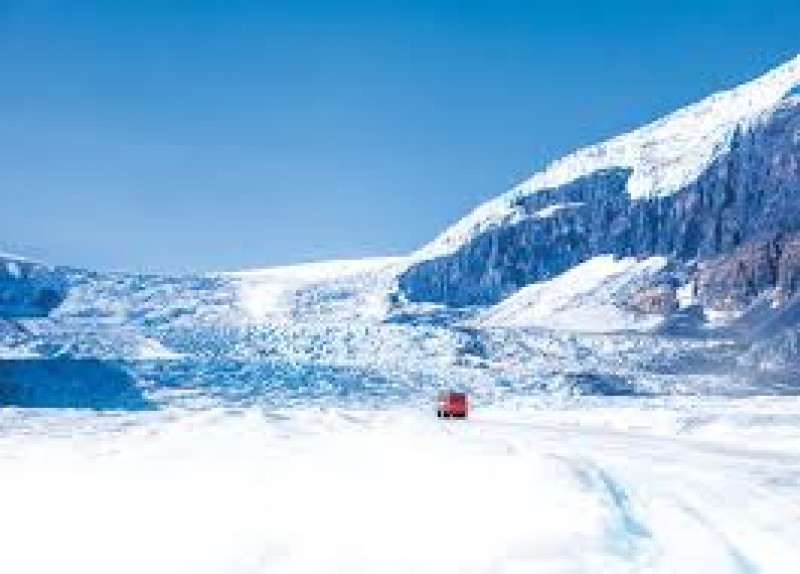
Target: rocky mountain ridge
(732,233)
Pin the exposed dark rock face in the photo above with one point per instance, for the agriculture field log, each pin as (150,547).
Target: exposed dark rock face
(658,300)
(502,260)
(747,199)
(788,279)
(778,352)
(733,281)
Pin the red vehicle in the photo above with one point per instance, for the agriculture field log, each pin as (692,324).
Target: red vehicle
(451,404)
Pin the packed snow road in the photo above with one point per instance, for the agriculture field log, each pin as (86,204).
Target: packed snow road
(595,485)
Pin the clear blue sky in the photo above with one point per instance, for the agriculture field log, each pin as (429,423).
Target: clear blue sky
(209,134)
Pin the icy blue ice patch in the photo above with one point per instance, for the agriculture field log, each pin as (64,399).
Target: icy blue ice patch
(69,383)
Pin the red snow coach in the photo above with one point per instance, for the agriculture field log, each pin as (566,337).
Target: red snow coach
(451,404)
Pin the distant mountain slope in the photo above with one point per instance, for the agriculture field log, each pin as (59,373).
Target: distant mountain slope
(662,157)
(713,188)
(28,288)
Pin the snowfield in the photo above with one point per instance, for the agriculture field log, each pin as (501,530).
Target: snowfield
(282,421)
(538,485)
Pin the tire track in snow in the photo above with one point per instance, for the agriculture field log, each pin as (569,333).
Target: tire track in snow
(740,562)
(628,534)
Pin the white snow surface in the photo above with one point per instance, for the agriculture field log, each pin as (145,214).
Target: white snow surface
(317,270)
(151,349)
(664,156)
(611,486)
(580,299)
(13,257)
(17,352)
(272,294)
(551,210)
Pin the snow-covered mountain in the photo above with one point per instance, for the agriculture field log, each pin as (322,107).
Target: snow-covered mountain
(662,157)
(712,189)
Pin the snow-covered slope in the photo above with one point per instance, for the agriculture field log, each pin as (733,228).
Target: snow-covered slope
(664,156)
(622,487)
(331,291)
(351,287)
(587,298)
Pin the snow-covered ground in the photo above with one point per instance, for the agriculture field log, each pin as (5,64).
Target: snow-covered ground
(536,485)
